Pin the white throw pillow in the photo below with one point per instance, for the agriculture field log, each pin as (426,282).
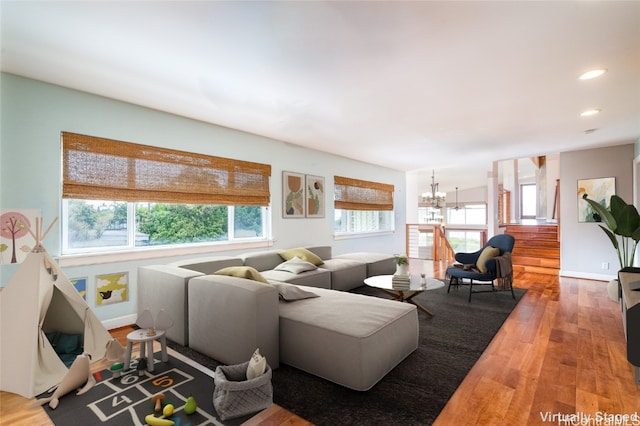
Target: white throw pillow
(257,365)
(296,266)
(290,292)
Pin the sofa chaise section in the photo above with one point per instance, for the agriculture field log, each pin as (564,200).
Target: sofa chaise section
(230,317)
(350,339)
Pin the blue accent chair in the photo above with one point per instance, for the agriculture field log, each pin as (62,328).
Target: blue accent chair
(463,276)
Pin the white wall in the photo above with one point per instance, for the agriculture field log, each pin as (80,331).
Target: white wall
(584,246)
(34,114)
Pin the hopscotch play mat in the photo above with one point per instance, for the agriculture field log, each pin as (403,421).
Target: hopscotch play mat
(127,400)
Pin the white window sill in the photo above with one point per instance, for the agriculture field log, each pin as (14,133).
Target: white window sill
(346,236)
(156,252)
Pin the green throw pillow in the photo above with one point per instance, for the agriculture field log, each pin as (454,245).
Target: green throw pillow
(242,272)
(488,253)
(303,254)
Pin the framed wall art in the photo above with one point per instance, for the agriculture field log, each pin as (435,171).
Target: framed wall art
(80,284)
(600,190)
(16,241)
(314,196)
(293,202)
(112,288)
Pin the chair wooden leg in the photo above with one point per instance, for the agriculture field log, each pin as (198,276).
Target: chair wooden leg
(470,288)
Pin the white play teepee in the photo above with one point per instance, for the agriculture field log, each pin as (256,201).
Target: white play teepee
(38,299)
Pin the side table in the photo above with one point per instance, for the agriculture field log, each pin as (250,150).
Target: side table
(146,346)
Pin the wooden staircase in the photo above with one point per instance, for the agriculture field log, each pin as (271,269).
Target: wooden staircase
(537,248)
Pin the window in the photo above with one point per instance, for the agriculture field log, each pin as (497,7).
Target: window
(119,195)
(464,241)
(94,226)
(469,216)
(472,214)
(362,221)
(362,206)
(528,201)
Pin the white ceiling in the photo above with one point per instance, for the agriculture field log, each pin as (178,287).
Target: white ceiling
(449,86)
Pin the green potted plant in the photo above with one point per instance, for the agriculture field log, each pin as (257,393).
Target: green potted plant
(622,226)
(622,223)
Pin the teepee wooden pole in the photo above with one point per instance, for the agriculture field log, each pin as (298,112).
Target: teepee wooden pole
(49,228)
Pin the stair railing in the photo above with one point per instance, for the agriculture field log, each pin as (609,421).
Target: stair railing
(441,249)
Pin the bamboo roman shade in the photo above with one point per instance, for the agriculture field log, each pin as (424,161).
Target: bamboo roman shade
(105,169)
(354,194)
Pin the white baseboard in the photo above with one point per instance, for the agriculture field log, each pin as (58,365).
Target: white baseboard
(120,321)
(587,275)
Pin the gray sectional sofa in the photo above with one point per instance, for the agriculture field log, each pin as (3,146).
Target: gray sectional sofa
(347,338)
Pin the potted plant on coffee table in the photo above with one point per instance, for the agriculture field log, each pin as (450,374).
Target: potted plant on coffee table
(622,226)
(402,262)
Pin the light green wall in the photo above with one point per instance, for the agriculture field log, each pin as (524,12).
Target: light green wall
(34,113)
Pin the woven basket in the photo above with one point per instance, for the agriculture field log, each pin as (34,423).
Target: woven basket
(235,396)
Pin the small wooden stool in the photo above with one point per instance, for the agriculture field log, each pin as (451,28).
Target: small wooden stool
(146,347)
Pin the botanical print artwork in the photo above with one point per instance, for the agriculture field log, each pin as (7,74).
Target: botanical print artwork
(112,288)
(315,196)
(293,194)
(15,240)
(599,190)
(80,284)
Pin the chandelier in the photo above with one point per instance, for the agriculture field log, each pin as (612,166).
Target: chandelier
(435,198)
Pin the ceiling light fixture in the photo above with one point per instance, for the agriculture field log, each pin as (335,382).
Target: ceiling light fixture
(592,74)
(589,112)
(435,197)
(456,207)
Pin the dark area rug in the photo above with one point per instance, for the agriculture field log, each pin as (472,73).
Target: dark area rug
(416,390)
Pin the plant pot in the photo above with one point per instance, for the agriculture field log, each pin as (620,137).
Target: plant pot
(401,270)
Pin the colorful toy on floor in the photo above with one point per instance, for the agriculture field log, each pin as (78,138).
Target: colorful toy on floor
(191,406)
(142,366)
(157,400)
(157,421)
(116,368)
(167,410)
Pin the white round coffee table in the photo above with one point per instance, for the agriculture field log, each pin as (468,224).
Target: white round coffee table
(385,283)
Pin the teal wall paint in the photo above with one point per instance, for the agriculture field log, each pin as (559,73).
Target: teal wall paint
(34,113)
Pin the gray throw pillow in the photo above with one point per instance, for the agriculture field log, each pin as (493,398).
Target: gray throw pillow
(291,292)
(296,266)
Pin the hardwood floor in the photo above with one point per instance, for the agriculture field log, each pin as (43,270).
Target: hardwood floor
(561,351)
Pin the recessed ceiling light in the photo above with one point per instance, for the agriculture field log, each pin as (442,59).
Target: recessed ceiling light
(592,74)
(589,112)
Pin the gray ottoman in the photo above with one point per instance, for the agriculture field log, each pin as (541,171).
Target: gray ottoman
(350,339)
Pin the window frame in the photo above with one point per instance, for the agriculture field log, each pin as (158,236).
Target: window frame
(356,196)
(131,246)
